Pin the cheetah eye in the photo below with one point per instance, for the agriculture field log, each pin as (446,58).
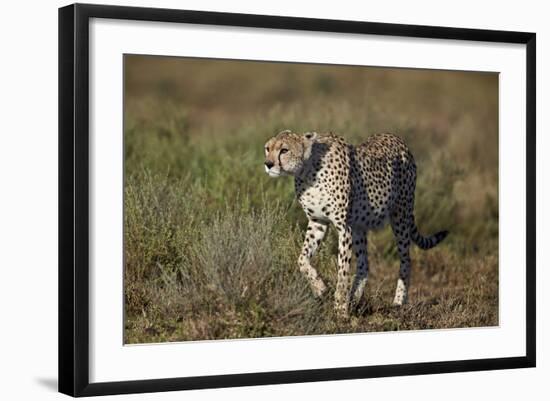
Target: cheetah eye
(267,149)
(284,150)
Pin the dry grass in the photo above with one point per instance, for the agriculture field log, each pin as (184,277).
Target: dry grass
(211,241)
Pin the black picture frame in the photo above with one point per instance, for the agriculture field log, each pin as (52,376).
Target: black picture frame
(74,198)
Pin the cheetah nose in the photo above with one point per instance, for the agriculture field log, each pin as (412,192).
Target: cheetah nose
(269,164)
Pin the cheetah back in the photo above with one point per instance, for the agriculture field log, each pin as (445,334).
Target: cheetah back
(383,175)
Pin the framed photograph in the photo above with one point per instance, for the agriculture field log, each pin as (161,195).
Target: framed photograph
(251,199)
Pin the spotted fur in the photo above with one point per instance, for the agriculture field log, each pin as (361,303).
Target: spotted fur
(355,189)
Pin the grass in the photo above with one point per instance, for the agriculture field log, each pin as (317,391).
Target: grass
(211,242)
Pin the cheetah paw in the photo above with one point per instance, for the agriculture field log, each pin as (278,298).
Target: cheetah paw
(319,288)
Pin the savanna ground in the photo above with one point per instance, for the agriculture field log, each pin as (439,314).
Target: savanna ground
(211,242)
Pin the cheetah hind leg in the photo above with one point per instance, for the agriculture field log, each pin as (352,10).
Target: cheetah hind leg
(314,235)
(359,238)
(342,293)
(400,229)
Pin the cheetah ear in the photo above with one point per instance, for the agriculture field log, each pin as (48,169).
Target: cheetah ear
(309,139)
(311,136)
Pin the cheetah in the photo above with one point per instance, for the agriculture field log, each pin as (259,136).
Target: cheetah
(356,189)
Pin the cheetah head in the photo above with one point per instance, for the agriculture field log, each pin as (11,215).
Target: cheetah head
(287,153)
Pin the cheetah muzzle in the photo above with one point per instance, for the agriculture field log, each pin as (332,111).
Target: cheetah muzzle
(356,188)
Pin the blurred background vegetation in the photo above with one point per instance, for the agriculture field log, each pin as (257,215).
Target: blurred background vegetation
(211,242)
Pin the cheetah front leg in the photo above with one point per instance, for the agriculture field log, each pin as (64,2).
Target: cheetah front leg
(341,296)
(314,235)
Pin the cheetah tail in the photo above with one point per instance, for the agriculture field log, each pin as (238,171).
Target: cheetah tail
(427,242)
